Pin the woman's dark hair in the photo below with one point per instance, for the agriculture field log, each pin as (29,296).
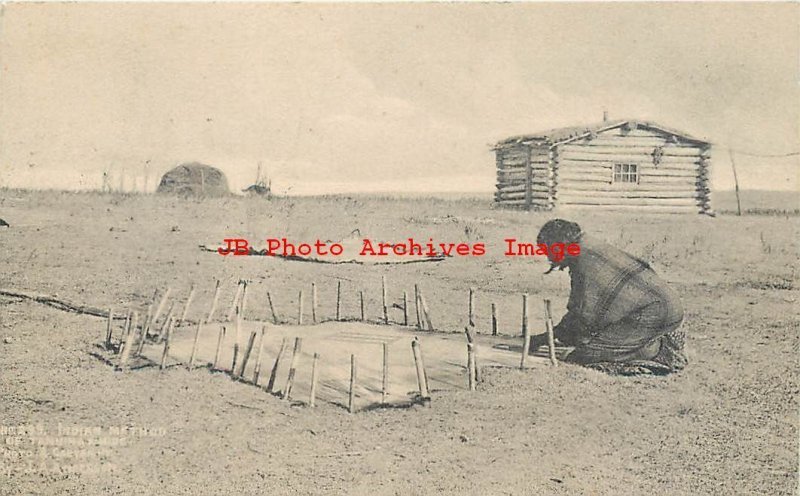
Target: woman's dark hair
(559,231)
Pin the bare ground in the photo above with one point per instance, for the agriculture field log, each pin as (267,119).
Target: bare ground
(726,425)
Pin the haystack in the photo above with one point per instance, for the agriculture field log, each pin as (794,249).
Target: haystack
(194,179)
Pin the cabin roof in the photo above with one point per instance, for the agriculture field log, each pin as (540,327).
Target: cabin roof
(562,135)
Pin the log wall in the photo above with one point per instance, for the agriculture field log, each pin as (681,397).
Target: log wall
(584,170)
(524,177)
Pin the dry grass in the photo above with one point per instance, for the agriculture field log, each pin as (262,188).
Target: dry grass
(726,425)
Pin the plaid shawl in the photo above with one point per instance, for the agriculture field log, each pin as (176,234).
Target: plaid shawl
(608,286)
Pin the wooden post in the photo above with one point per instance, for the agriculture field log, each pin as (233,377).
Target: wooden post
(214,302)
(272,309)
(126,347)
(528,179)
(472,367)
(472,307)
(425,312)
(161,305)
(148,319)
(109,327)
(735,184)
(220,339)
(385,384)
(126,327)
(145,328)
(186,307)
(190,366)
(166,319)
(405,308)
(167,342)
(351,404)
(257,367)
(234,303)
(312,397)
(314,303)
(551,345)
(287,390)
(142,336)
(526,335)
(383,300)
(422,379)
(361,299)
(338,300)
(494,319)
(247,351)
(417,306)
(300,307)
(274,372)
(243,299)
(238,337)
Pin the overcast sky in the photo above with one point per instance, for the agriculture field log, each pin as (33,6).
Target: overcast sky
(335,98)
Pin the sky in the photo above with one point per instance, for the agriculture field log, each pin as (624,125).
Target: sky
(382,97)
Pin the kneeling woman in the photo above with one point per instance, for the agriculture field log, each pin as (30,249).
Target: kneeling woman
(621,317)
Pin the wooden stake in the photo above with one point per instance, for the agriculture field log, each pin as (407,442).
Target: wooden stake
(287,390)
(126,347)
(143,336)
(472,307)
(300,308)
(220,339)
(383,300)
(361,300)
(109,327)
(425,312)
(194,345)
(551,345)
(213,302)
(257,367)
(167,342)
(243,299)
(238,336)
(126,327)
(274,372)
(526,335)
(338,300)
(735,184)
(148,320)
(186,307)
(422,379)
(472,368)
(351,404)
(385,385)
(272,309)
(314,303)
(161,305)
(312,397)
(247,352)
(417,306)
(166,319)
(235,302)
(405,308)
(494,319)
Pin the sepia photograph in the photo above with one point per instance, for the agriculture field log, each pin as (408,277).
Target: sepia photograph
(377,248)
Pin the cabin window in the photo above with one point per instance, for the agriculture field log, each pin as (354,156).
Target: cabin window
(626,173)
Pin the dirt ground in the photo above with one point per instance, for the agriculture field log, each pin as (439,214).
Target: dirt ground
(728,424)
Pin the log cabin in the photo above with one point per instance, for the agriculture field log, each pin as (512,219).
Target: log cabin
(624,165)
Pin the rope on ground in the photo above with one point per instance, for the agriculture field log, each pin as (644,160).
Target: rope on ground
(57,303)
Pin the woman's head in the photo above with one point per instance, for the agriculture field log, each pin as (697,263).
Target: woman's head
(556,234)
